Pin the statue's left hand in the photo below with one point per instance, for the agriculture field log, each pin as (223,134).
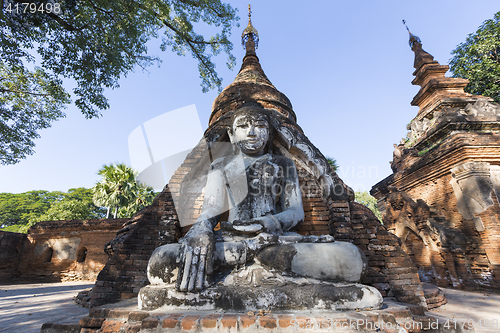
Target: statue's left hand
(269,224)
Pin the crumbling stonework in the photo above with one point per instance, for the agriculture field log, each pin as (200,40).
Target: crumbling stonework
(442,198)
(327,201)
(57,250)
(11,249)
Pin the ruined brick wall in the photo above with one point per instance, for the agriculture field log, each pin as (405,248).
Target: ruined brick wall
(478,263)
(457,254)
(11,248)
(390,269)
(67,250)
(57,250)
(125,271)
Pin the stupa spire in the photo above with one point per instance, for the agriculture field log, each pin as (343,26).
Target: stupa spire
(430,76)
(250,36)
(251,84)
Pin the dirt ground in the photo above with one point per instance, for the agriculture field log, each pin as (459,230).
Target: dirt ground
(25,307)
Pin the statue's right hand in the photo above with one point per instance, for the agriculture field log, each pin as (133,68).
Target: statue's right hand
(196,259)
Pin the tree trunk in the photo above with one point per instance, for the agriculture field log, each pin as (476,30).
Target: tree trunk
(116,212)
(108,212)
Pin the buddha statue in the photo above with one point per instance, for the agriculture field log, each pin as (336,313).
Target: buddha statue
(255,197)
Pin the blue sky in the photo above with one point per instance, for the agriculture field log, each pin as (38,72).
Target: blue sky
(345,65)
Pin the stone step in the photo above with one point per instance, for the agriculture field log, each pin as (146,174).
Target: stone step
(434,296)
(394,317)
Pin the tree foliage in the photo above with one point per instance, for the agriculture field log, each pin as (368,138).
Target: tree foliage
(120,190)
(67,210)
(29,102)
(20,211)
(364,198)
(94,42)
(332,162)
(478,60)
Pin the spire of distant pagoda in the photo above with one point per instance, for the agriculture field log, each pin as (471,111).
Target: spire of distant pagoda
(429,75)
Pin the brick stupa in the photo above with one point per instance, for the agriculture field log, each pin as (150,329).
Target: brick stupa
(328,203)
(443,196)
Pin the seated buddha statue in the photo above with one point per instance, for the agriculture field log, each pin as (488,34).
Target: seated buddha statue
(255,197)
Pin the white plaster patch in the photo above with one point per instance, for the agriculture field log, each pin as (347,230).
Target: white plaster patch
(339,261)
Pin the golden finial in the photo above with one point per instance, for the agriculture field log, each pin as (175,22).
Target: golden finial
(413,39)
(250,32)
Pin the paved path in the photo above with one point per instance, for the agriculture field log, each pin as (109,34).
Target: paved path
(25,307)
(480,309)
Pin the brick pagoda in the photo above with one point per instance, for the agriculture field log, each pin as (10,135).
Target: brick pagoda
(328,203)
(442,199)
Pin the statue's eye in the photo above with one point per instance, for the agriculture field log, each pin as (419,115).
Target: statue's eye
(242,126)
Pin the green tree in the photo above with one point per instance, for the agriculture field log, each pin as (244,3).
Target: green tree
(364,198)
(478,60)
(29,102)
(119,189)
(332,162)
(95,43)
(143,197)
(67,210)
(20,211)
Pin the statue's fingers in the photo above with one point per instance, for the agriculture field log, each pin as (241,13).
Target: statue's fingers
(188,257)
(181,262)
(200,276)
(209,264)
(193,273)
(239,222)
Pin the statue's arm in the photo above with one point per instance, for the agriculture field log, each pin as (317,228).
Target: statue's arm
(213,203)
(291,199)
(197,246)
(292,211)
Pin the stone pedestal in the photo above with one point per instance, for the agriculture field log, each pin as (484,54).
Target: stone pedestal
(285,297)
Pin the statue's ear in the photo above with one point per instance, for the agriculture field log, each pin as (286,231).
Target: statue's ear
(230,134)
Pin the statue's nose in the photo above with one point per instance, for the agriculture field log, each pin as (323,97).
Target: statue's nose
(251,131)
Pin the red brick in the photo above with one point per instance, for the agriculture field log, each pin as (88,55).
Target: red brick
(138,315)
(111,326)
(246,321)
(172,320)
(150,323)
(210,321)
(268,321)
(285,321)
(189,322)
(90,322)
(229,321)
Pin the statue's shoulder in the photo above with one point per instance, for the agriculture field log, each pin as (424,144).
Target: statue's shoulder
(282,161)
(221,162)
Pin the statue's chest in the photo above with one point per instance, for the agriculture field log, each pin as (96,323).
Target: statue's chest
(264,178)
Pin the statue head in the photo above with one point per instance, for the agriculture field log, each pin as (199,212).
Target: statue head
(250,130)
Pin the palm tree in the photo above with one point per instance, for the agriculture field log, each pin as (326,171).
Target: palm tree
(143,196)
(332,162)
(116,189)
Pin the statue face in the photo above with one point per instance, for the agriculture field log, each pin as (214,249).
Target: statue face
(250,133)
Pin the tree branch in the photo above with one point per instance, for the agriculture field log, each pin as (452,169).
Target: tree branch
(2,90)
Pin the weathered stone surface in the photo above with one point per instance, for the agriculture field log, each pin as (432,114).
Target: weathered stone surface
(286,297)
(446,175)
(327,202)
(57,250)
